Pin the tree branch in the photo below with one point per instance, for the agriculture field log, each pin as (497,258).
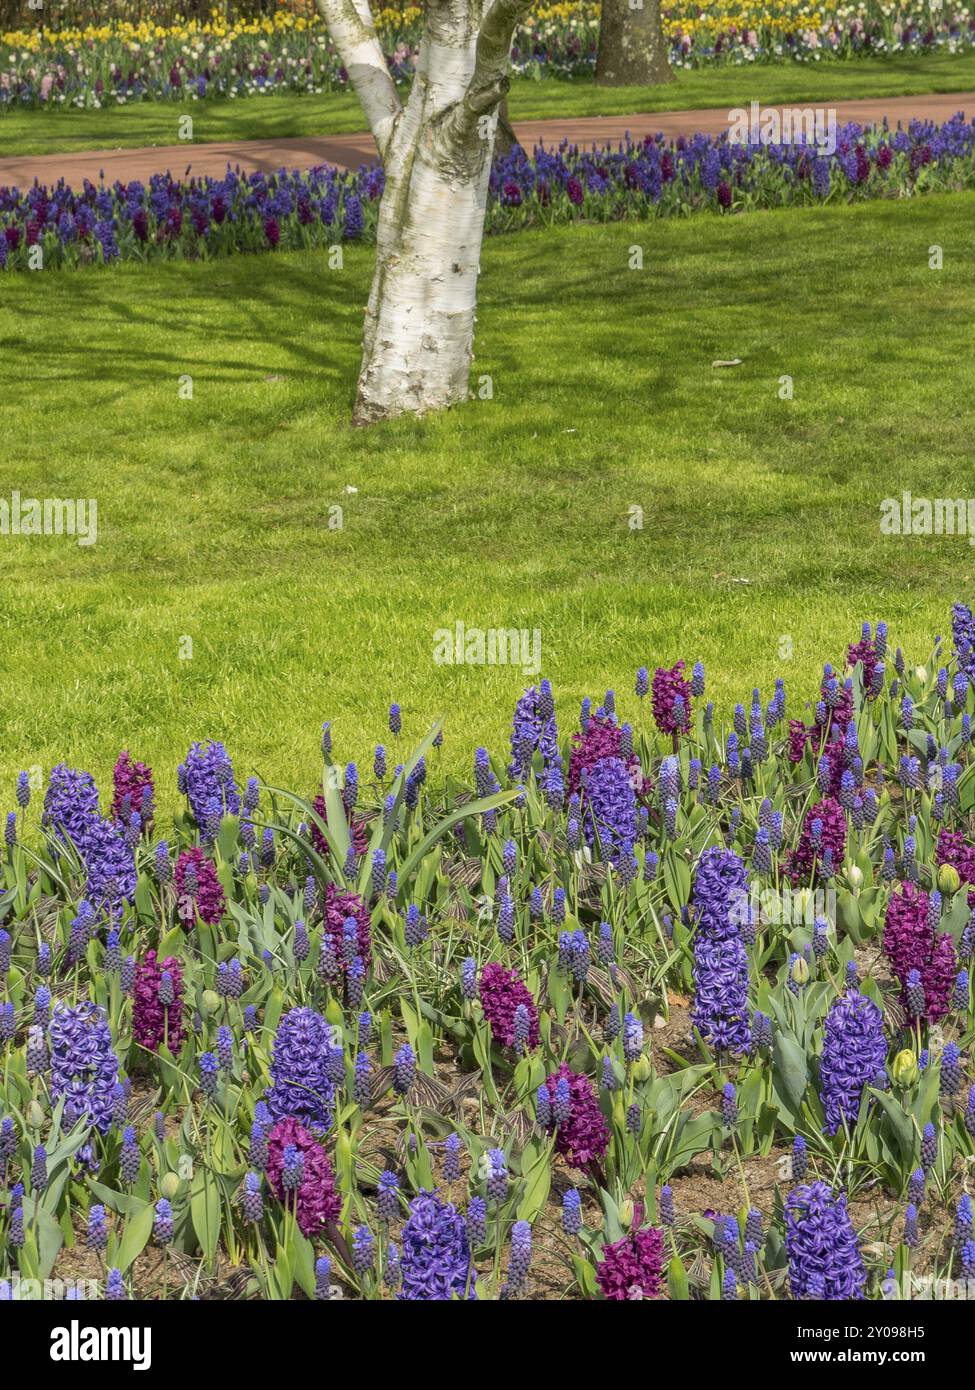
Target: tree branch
(490,81)
(351,28)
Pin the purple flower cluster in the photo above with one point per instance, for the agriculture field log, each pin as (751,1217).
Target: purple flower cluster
(198,889)
(71,811)
(316,1201)
(912,943)
(300,1085)
(290,209)
(631,1267)
(602,739)
(436,1257)
(501,992)
(582,1133)
(206,779)
(824,1255)
(609,808)
(720,1009)
(155,1022)
(854,1056)
(533,727)
(84,1067)
(70,802)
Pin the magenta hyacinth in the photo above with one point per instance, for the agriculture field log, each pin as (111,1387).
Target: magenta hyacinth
(134,790)
(501,992)
(671,699)
(602,739)
(955,850)
(911,943)
(808,853)
(338,907)
(204,893)
(631,1268)
(152,1021)
(317,1200)
(584,1137)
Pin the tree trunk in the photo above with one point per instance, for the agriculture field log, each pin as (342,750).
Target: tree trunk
(505,140)
(419,329)
(632,47)
(436,151)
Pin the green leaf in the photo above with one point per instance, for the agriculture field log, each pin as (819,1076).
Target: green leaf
(205,1211)
(135,1237)
(790,1070)
(537,1186)
(677,1280)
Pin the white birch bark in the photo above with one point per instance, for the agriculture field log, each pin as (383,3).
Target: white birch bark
(436,153)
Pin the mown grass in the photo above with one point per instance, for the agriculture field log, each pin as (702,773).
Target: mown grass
(276,117)
(760,551)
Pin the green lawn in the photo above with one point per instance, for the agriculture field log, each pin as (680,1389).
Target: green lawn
(761,515)
(256,118)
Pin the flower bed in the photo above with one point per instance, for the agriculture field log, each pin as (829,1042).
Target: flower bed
(290,210)
(114,61)
(223,1039)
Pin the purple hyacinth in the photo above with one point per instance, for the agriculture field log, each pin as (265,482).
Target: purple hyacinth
(84,1067)
(571,1212)
(404,1070)
(824,1255)
(435,1260)
(208,775)
(300,1086)
(854,1056)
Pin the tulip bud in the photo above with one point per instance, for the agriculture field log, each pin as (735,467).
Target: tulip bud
(209,1002)
(949,880)
(855,875)
(905,1069)
(626,1214)
(642,1068)
(35,1114)
(800,970)
(169,1186)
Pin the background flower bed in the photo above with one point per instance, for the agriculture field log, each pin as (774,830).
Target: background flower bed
(211,217)
(496,1040)
(115,60)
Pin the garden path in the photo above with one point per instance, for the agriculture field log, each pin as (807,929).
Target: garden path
(349,151)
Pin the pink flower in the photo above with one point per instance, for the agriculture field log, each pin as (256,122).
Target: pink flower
(585,1137)
(630,1269)
(669,686)
(318,1202)
(133,790)
(833,837)
(338,908)
(153,1022)
(602,739)
(911,943)
(357,832)
(501,993)
(202,893)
